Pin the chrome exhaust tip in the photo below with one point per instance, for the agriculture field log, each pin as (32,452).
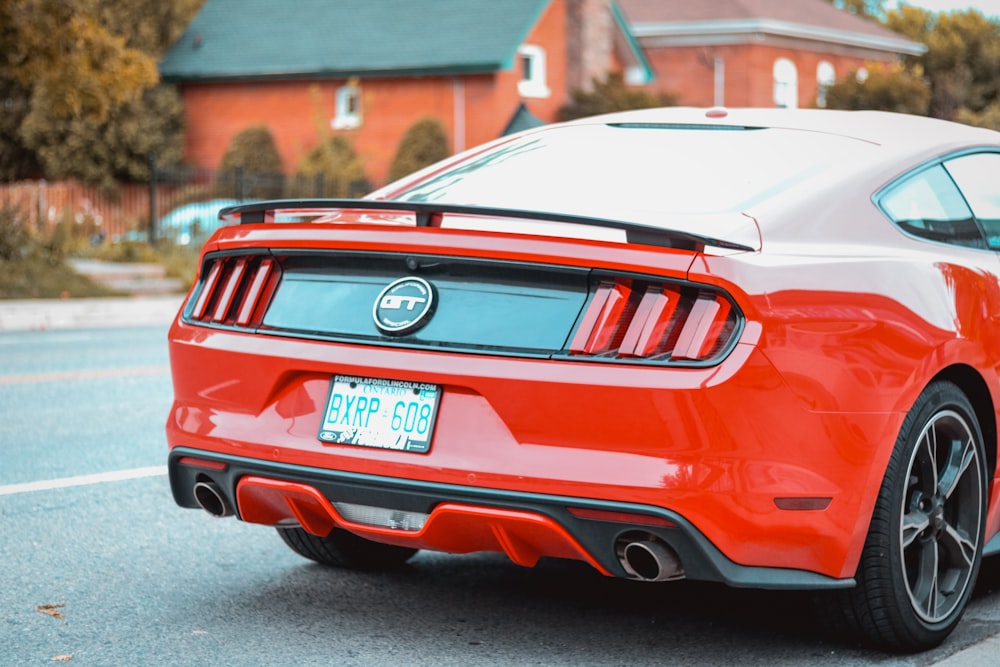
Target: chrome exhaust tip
(649,559)
(210,498)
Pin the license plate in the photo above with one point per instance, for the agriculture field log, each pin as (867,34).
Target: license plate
(386,414)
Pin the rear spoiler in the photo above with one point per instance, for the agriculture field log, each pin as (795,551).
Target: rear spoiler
(430,214)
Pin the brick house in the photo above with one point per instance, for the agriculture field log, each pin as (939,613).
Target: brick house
(757,53)
(370,68)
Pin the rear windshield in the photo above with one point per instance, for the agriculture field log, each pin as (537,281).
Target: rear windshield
(614,170)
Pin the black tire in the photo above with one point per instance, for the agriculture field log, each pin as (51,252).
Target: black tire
(925,543)
(345,549)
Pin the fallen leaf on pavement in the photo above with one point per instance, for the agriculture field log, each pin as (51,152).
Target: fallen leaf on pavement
(51,609)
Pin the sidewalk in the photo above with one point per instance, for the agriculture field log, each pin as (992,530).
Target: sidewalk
(43,314)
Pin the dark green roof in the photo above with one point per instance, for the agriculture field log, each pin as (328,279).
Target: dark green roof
(522,120)
(238,39)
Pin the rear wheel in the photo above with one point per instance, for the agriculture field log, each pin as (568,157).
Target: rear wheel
(345,549)
(924,545)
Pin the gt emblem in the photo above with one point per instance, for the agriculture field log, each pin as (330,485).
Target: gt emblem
(404,306)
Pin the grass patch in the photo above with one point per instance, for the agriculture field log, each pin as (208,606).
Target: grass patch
(37,278)
(179,261)
(32,267)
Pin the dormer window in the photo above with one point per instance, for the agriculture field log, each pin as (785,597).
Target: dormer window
(531,61)
(348,107)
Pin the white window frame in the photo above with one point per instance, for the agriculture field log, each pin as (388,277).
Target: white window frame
(532,59)
(826,76)
(347,112)
(786,84)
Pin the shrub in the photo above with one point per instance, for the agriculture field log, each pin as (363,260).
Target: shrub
(251,167)
(14,237)
(612,94)
(332,169)
(424,143)
(31,268)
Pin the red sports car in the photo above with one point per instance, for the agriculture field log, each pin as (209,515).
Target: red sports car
(758,347)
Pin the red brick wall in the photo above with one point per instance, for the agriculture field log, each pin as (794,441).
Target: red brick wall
(297,112)
(689,72)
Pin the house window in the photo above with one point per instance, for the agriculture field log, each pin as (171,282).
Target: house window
(825,77)
(786,84)
(348,108)
(531,60)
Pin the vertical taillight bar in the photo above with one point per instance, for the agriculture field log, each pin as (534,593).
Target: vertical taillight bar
(207,288)
(252,295)
(702,328)
(651,322)
(225,300)
(603,319)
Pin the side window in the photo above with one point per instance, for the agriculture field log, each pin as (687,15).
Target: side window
(930,206)
(978,177)
(348,108)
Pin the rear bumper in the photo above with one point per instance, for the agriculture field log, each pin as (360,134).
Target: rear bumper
(463,519)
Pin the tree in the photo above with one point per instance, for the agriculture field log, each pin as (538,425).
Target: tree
(962,58)
(867,8)
(151,26)
(423,144)
(17,160)
(955,79)
(896,89)
(612,94)
(117,149)
(74,65)
(988,117)
(83,73)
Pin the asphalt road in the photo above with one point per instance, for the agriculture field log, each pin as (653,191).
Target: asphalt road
(99,567)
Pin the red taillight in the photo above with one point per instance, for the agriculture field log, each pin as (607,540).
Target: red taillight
(251,298)
(602,328)
(235,290)
(629,319)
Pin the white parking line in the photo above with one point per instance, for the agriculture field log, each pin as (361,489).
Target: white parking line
(83,480)
(89,374)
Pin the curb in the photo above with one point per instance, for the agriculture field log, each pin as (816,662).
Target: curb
(981,654)
(46,314)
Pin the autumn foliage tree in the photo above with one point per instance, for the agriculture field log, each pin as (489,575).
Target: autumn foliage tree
(894,89)
(866,8)
(80,77)
(954,79)
(962,58)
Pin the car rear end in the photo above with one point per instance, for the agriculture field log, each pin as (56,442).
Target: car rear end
(460,378)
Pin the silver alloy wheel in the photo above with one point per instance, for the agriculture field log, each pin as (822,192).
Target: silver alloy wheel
(941,516)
